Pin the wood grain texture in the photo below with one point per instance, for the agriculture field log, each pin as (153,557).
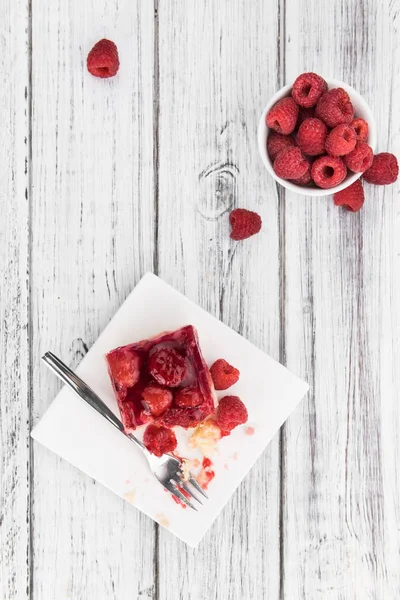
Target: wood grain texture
(93,235)
(14,302)
(341,490)
(217,68)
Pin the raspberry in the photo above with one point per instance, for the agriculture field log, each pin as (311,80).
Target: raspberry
(361,129)
(351,198)
(384,169)
(231,412)
(278,142)
(244,223)
(308,88)
(223,374)
(290,164)
(102,60)
(167,366)
(159,440)
(282,116)
(189,396)
(334,107)
(156,399)
(305,179)
(185,417)
(304,113)
(311,137)
(328,171)
(359,159)
(124,367)
(341,140)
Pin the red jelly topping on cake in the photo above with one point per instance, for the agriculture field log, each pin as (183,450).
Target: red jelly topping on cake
(163,379)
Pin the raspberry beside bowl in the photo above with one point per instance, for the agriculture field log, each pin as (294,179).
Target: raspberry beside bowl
(361,109)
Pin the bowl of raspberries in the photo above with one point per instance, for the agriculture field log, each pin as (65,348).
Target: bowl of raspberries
(317,137)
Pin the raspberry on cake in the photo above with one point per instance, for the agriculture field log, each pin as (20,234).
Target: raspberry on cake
(159,440)
(148,376)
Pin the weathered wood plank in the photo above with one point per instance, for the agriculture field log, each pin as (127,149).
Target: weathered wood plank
(14,302)
(93,238)
(341,489)
(217,69)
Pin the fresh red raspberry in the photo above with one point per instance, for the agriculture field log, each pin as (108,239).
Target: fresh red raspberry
(305,179)
(361,129)
(223,374)
(167,366)
(189,396)
(304,113)
(311,137)
(351,198)
(102,60)
(290,164)
(334,107)
(384,169)
(341,140)
(156,399)
(124,367)
(278,142)
(282,116)
(159,440)
(308,88)
(359,159)
(328,171)
(231,412)
(244,223)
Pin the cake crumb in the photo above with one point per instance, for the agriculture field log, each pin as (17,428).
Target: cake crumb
(130,496)
(162,520)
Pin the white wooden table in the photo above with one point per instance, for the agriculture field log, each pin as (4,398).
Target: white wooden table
(103,180)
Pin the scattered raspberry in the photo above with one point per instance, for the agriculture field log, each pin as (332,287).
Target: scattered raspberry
(167,366)
(384,169)
(305,179)
(283,116)
(159,440)
(308,88)
(156,399)
(223,374)
(351,198)
(278,142)
(361,129)
(290,164)
(311,137)
(102,60)
(341,140)
(304,113)
(124,367)
(231,412)
(328,171)
(244,223)
(189,396)
(334,107)
(359,159)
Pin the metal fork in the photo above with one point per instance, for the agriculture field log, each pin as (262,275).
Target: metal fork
(167,469)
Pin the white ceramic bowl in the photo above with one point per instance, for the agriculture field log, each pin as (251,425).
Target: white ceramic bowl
(361,109)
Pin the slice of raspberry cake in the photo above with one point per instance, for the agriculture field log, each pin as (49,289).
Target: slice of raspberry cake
(163,379)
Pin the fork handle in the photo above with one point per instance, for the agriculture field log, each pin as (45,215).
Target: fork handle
(81,388)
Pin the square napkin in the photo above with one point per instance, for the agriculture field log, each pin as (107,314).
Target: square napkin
(73,430)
